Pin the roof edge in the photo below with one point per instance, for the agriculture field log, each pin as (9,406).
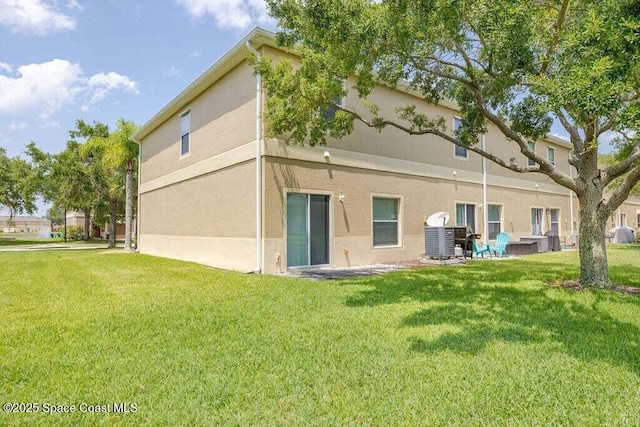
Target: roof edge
(258,36)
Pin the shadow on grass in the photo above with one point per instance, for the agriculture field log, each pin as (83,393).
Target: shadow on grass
(477,305)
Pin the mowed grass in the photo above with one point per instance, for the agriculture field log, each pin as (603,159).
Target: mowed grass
(11,240)
(25,239)
(487,343)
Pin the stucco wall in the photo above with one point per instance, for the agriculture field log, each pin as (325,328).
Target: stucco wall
(222,118)
(420,196)
(208,219)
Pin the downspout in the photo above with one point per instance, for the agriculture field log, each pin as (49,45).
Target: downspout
(138,197)
(485,211)
(258,268)
(571,202)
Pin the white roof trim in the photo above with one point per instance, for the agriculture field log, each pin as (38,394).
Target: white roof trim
(234,56)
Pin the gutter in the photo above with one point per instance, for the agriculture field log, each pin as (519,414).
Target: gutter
(138,193)
(485,213)
(258,269)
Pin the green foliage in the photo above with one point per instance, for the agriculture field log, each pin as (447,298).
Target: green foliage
(18,184)
(488,343)
(72,231)
(517,65)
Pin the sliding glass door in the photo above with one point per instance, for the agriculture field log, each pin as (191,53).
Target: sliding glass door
(307,229)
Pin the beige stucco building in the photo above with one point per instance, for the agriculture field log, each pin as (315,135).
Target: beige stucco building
(257,204)
(24,224)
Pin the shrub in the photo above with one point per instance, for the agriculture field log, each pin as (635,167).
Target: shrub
(72,231)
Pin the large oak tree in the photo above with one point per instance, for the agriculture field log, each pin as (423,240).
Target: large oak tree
(517,65)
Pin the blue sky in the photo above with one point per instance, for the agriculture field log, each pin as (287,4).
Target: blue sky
(101,60)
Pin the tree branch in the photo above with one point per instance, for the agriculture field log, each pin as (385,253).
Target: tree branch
(546,167)
(617,170)
(622,193)
(556,36)
(432,131)
(573,131)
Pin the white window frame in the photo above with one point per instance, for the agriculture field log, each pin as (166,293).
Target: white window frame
(399,221)
(500,220)
(456,147)
(532,147)
(623,219)
(549,155)
(466,220)
(542,230)
(308,191)
(339,103)
(185,114)
(559,222)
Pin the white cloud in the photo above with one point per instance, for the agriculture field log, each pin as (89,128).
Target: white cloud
(74,5)
(171,72)
(16,126)
(48,86)
(34,17)
(228,13)
(101,84)
(6,67)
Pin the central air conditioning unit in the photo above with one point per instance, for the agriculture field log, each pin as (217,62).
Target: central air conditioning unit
(440,242)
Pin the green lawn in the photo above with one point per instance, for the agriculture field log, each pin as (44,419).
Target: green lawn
(488,343)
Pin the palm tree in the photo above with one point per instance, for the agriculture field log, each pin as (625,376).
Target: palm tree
(122,153)
(119,154)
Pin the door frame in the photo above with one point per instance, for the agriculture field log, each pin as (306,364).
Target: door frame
(308,191)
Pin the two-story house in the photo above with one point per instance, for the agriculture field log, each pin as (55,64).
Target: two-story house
(214,190)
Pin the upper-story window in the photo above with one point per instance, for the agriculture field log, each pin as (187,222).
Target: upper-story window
(459,151)
(551,155)
(532,147)
(337,101)
(185,130)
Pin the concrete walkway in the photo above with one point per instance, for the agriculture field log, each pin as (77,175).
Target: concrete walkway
(50,246)
(333,273)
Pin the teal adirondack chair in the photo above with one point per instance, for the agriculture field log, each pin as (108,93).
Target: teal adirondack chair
(480,250)
(500,249)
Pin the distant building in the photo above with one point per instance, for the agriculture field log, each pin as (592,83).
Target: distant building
(76,218)
(24,224)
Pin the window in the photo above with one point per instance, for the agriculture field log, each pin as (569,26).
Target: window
(185,128)
(536,221)
(613,221)
(532,147)
(638,220)
(554,221)
(551,155)
(307,229)
(330,113)
(385,221)
(466,216)
(495,220)
(459,151)
(623,219)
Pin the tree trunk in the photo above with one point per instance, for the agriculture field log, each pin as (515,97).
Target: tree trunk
(113,215)
(128,208)
(87,224)
(594,267)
